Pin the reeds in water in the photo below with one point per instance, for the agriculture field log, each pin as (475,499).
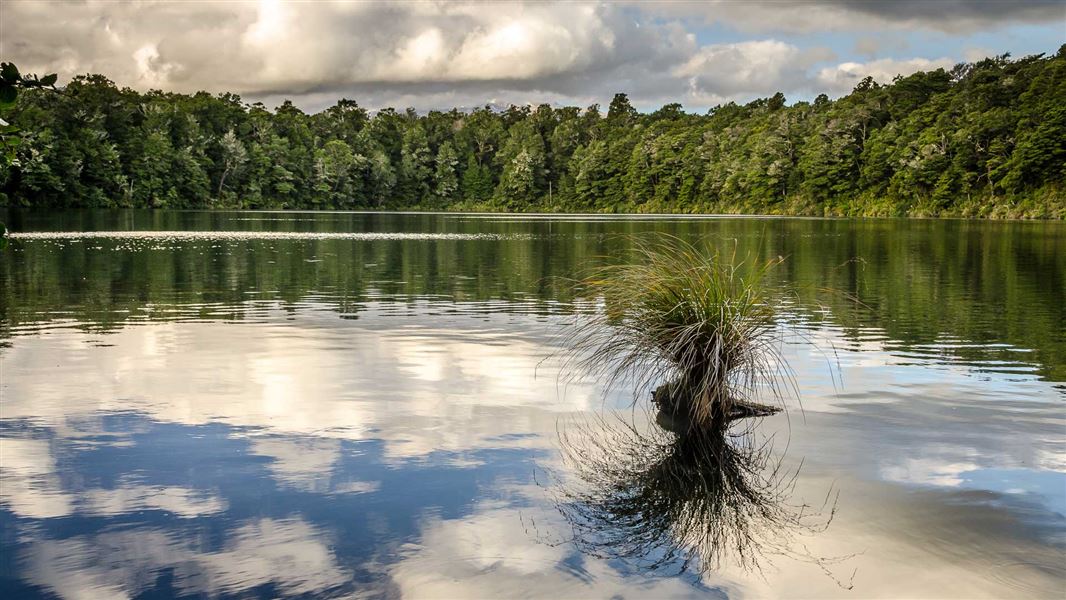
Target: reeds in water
(696,323)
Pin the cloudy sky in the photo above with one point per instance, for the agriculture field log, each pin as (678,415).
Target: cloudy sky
(442,54)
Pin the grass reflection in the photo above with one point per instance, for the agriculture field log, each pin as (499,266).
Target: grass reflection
(711,498)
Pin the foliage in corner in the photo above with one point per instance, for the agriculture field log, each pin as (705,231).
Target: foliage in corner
(11,81)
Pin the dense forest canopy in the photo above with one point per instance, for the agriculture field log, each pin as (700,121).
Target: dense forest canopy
(983,139)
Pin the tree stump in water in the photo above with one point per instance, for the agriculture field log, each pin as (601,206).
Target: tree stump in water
(675,410)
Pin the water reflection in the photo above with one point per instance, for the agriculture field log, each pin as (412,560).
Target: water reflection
(261,556)
(663,501)
(329,417)
(402,455)
(968,292)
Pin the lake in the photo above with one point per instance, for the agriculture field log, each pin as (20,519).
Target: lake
(266,404)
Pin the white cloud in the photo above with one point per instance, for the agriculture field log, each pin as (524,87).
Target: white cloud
(487,554)
(977,54)
(928,471)
(297,48)
(442,54)
(290,553)
(718,72)
(304,464)
(443,388)
(180,501)
(32,489)
(842,78)
(357,487)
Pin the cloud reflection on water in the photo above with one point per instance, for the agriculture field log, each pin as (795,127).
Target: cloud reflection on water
(298,452)
(289,554)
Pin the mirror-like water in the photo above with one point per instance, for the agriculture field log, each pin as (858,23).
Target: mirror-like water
(277,404)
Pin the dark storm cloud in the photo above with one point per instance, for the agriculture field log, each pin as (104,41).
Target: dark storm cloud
(970,11)
(954,16)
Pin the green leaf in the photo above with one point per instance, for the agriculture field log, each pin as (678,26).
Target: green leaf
(9,72)
(49,79)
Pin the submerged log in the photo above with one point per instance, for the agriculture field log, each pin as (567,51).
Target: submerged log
(676,410)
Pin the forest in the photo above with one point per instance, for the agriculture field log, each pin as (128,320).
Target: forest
(984,139)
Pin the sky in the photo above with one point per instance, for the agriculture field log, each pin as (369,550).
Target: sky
(439,55)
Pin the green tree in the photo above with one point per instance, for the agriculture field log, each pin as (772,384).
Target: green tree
(334,164)
(445,177)
(233,158)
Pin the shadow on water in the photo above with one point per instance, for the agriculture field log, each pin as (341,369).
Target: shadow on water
(699,502)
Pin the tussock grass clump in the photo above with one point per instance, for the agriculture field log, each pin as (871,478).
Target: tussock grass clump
(693,320)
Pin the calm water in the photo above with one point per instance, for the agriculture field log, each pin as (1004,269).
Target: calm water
(296,404)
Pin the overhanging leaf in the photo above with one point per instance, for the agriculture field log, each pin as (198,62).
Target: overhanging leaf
(9,72)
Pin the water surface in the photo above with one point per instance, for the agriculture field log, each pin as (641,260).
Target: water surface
(282,404)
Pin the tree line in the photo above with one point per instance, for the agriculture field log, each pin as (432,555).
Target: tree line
(981,139)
